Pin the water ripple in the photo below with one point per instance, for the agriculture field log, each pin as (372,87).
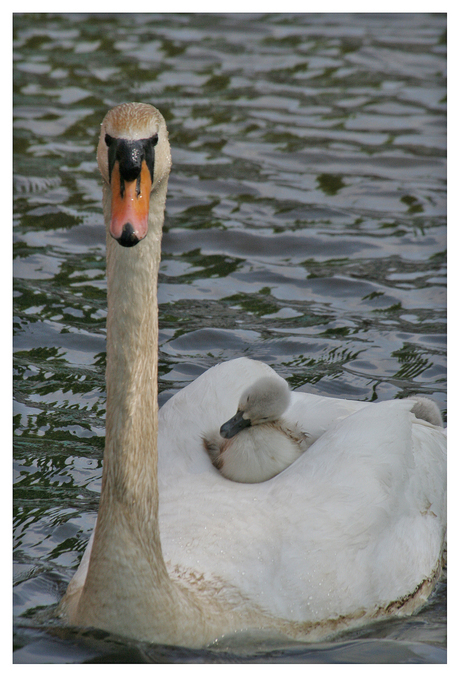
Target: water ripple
(305,226)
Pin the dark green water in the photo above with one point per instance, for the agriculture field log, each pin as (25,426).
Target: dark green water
(305,226)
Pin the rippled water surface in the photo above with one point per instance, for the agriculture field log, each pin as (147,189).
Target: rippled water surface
(305,226)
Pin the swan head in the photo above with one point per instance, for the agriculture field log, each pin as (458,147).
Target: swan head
(133,155)
(264,401)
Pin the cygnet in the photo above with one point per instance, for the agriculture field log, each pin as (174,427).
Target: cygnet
(257,443)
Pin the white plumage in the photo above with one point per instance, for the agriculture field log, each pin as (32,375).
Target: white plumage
(353,525)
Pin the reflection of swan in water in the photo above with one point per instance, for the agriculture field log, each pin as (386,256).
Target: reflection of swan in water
(353,530)
(256,443)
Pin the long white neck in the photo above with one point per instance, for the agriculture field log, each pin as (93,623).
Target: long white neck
(127,588)
(130,459)
(127,584)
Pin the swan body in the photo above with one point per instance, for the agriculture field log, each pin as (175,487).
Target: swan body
(256,443)
(353,530)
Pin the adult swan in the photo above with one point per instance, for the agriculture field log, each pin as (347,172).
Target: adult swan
(351,531)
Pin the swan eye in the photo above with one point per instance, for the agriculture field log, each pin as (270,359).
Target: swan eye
(108,140)
(153,140)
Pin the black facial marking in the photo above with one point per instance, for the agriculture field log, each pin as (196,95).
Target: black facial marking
(130,155)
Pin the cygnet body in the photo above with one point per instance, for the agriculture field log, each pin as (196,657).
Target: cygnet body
(426,410)
(257,443)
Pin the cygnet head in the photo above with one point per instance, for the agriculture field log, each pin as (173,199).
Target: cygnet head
(264,401)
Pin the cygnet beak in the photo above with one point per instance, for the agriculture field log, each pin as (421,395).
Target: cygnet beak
(234,425)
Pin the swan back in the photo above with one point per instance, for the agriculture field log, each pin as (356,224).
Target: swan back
(357,522)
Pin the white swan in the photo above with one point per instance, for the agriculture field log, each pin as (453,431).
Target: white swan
(256,443)
(352,531)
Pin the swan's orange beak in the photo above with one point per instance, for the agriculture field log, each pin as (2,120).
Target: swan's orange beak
(130,206)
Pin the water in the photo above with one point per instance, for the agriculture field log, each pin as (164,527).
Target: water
(306,227)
